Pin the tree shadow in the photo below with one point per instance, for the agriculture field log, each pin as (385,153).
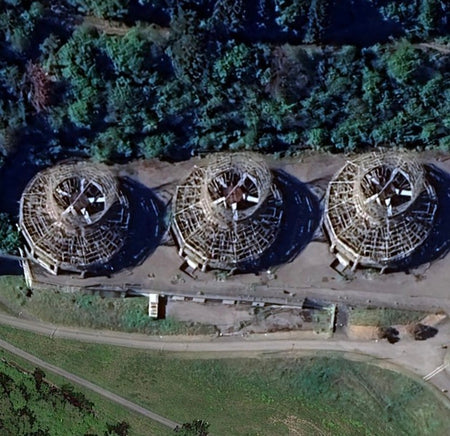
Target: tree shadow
(437,244)
(152,12)
(146,228)
(33,152)
(15,174)
(10,267)
(422,332)
(358,23)
(301,217)
(60,22)
(389,333)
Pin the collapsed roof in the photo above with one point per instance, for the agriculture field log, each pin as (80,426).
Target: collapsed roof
(73,216)
(379,209)
(227,211)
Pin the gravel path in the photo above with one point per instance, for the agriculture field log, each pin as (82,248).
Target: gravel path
(87,384)
(417,357)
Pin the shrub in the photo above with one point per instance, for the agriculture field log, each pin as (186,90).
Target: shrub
(10,239)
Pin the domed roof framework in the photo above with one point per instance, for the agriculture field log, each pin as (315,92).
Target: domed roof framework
(73,216)
(379,209)
(226,212)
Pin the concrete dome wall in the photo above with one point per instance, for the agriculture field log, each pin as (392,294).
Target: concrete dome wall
(72,216)
(379,209)
(227,211)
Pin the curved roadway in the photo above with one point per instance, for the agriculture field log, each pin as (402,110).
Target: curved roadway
(421,358)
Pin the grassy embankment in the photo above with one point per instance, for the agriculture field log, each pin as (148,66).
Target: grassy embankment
(130,314)
(323,393)
(384,317)
(50,413)
(124,314)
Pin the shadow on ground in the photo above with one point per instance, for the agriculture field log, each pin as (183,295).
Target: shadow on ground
(422,332)
(10,267)
(358,23)
(145,230)
(301,217)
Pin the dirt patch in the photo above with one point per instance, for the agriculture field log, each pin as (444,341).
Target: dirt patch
(224,317)
(245,319)
(308,275)
(301,427)
(434,319)
(362,332)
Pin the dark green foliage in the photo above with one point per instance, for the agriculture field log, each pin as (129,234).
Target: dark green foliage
(197,427)
(431,14)
(402,62)
(241,96)
(12,105)
(29,405)
(156,145)
(112,88)
(104,8)
(311,18)
(18,21)
(119,429)
(10,240)
(420,18)
(229,15)
(290,12)
(187,48)
(316,20)
(200,86)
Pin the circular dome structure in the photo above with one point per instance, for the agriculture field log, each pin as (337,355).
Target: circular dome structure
(379,209)
(73,216)
(226,212)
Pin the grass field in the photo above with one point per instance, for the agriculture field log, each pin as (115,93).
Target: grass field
(384,317)
(125,314)
(313,395)
(105,411)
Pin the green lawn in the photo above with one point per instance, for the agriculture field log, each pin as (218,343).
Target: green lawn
(255,396)
(77,309)
(58,418)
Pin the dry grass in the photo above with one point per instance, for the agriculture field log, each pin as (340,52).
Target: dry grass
(384,317)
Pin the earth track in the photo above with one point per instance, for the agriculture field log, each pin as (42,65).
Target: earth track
(418,359)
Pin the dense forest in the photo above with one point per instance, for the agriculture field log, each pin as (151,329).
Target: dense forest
(30,405)
(117,80)
(172,78)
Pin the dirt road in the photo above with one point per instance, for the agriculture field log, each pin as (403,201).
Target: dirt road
(419,358)
(87,384)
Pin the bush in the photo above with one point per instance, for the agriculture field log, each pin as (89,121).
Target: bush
(10,239)
(194,428)
(402,63)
